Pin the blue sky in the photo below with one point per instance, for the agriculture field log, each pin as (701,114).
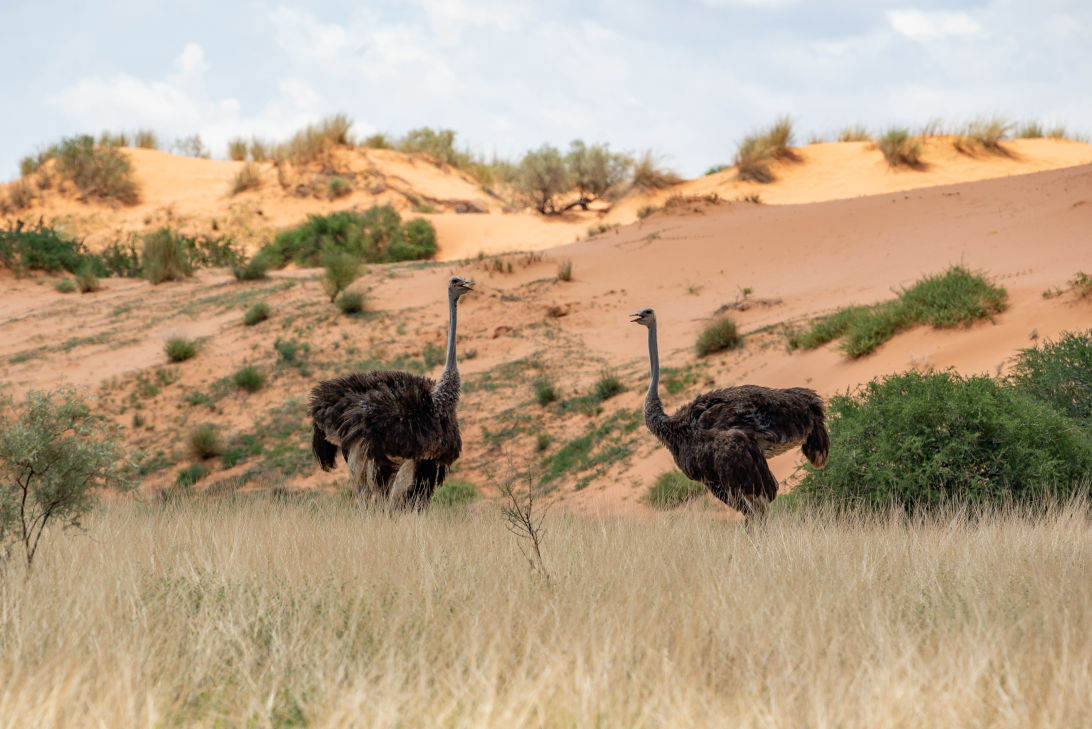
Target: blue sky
(686,79)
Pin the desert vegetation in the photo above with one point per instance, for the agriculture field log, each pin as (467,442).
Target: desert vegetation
(718,335)
(378,235)
(899,148)
(956,297)
(757,151)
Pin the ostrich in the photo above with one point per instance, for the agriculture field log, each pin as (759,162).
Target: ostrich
(396,430)
(723,438)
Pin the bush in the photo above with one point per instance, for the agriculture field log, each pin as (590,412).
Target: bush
(377,236)
(920,441)
(596,172)
(237,149)
(40,248)
(164,257)
(65,286)
(541,178)
(454,492)
(379,140)
(899,148)
(565,271)
(341,270)
(55,452)
(338,187)
(1082,284)
(291,351)
(180,349)
(146,139)
(315,140)
(650,174)
(249,177)
(121,260)
(249,378)
(752,161)
(256,314)
(985,134)
(20,195)
(253,270)
(86,280)
(205,441)
(437,143)
(607,386)
(351,302)
(102,172)
(719,335)
(192,146)
(545,391)
(190,475)
(671,490)
(1059,374)
(955,298)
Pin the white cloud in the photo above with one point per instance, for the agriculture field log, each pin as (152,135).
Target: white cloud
(126,101)
(191,60)
(925,26)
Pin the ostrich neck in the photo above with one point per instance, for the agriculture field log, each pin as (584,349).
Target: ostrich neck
(655,418)
(446,392)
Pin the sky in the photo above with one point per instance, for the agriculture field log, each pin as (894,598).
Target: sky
(686,80)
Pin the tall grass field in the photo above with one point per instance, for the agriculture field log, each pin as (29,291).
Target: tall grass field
(264,613)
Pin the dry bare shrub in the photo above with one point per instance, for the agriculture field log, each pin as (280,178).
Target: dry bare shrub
(649,173)
(249,177)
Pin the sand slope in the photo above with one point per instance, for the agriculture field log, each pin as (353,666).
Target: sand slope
(1028,232)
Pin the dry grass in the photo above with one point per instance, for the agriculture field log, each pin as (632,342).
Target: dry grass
(266,614)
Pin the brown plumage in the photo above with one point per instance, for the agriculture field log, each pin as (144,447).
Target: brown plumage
(723,438)
(397,431)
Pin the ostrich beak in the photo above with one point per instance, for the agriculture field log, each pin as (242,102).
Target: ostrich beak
(468,285)
(636,318)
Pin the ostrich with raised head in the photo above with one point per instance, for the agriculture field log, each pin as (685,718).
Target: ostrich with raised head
(722,438)
(396,430)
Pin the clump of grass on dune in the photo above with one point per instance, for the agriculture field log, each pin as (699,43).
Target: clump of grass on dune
(984,135)
(955,298)
(671,490)
(855,133)
(900,149)
(757,151)
(719,335)
(164,614)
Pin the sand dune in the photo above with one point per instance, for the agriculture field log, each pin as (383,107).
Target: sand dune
(1027,232)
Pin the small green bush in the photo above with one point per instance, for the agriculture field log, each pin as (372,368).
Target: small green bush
(291,351)
(86,280)
(164,257)
(102,172)
(338,187)
(541,178)
(351,302)
(190,475)
(256,314)
(607,386)
(454,492)
(65,286)
(671,490)
(249,177)
(146,139)
(719,335)
(255,269)
(899,148)
(376,236)
(40,248)
(205,441)
(1082,284)
(1060,374)
(180,349)
(545,390)
(437,143)
(249,378)
(432,355)
(341,270)
(921,441)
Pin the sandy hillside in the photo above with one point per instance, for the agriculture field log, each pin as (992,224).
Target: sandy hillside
(1029,233)
(195,195)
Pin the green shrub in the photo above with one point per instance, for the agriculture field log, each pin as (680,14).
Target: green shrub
(454,492)
(40,248)
(899,148)
(253,270)
(341,270)
(379,140)
(545,390)
(607,386)
(1059,374)
(671,490)
(351,302)
(432,355)
(56,452)
(146,139)
(541,178)
(205,441)
(86,280)
(291,351)
(719,335)
(920,441)
(376,236)
(596,172)
(956,297)
(164,257)
(121,260)
(338,187)
(65,286)
(437,143)
(249,378)
(249,177)
(180,349)
(256,314)
(190,475)
(102,172)
(315,140)
(1082,284)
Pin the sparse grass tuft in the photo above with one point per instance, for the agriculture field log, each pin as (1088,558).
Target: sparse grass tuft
(545,390)
(455,492)
(565,270)
(351,302)
(985,135)
(20,194)
(237,149)
(1029,130)
(900,149)
(249,378)
(650,174)
(179,349)
(256,314)
(65,286)
(249,177)
(205,441)
(338,187)
(607,386)
(86,280)
(719,335)
(164,257)
(671,490)
(855,133)
(341,269)
(255,269)
(1081,284)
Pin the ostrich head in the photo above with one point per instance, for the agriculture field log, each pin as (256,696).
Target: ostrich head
(645,317)
(457,286)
